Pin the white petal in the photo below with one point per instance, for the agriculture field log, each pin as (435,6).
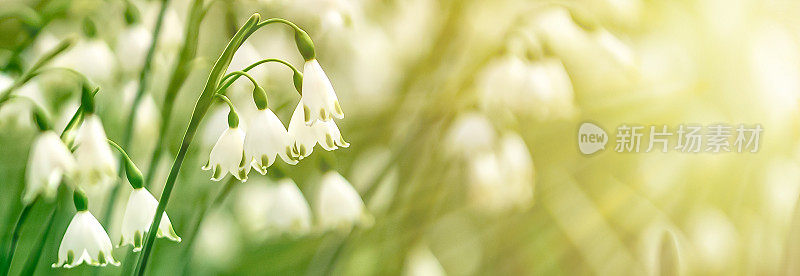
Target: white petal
(303,136)
(96,163)
(139,213)
(266,139)
(328,135)
(338,205)
(319,99)
(227,156)
(85,241)
(48,161)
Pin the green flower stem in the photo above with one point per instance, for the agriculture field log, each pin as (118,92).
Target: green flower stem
(15,236)
(36,252)
(179,74)
(221,88)
(47,57)
(201,108)
(229,79)
(134,174)
(201,214)
(75,120)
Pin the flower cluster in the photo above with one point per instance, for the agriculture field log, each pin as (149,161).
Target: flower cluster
(90,165)
(237,150)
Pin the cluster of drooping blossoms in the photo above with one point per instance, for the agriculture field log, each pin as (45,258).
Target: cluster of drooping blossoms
(238,150)
(500,170)
(256,144)
(91,165)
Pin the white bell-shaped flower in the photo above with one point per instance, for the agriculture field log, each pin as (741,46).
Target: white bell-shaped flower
(96,163)
(319,100)
(289,211)
(132,45)
(326,133)
(338,205)
(138,216)
(518,168)
(471,133)
(91,57)
(227,156)
(85,242)
(266,138)
(274,209)
(49,161)
(487,191)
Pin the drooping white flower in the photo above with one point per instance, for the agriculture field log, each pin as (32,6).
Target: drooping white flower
(471,133)
(326,133)
(502,180)
(49,161)
(267,138)
(139,213)
(218,241)
(85,242)
(338,205)
(91,57)
(275,209)
(487,191)
(319,100)
(518,169)
(227,156)
(132,45)
(421,261)
(147,120)
(96,163)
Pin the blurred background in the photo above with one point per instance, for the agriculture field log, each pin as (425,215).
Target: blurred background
(462,117)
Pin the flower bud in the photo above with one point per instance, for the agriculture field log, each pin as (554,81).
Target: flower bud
(41,119)
(80,200)
(304,44)
(233,119)
(134,174)
(260,97)
(132,15)
(297,77)
(89,28)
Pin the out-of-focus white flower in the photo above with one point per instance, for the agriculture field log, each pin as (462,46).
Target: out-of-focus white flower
(471,133)
(91,57)
(227,156)
(49,161)
(421,262)
(275,209)
(319,100)
(16,114)
(218,242)
(172,28)
(326,133)
(246,55)
(139,214)
(267,138)
(132,45)
(85,242)
(487,191)
(502,180)
(338,205)
(146,122)
(518,169)
(96,163)
(541,88)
